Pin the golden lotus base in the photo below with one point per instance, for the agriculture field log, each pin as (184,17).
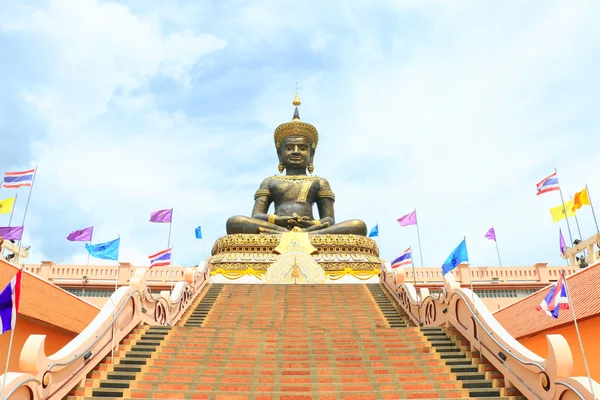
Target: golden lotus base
(295,257)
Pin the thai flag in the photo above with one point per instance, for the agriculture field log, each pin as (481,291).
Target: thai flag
(548,184)
(13,180)
(556,299)
(161,259)
(403,259)
(9,303)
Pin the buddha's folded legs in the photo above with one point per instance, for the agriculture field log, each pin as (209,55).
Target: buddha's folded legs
(242,224)
(350,227)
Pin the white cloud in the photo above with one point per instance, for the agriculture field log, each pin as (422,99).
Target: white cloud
(455,108)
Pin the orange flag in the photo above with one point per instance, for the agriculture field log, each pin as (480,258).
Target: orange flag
(581,199)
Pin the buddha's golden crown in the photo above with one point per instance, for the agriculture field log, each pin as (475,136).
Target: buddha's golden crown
(296,128)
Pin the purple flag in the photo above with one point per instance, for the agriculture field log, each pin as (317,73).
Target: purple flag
(491,234)
(408,219)
(161,215)
(11,232)
(563,245)
(82,235)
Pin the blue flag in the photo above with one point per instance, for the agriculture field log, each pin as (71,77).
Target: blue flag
(106,251)
(198,233)
(458,255)
(374,231)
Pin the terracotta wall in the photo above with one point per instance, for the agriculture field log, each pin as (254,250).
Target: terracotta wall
(56,339)
(588,328)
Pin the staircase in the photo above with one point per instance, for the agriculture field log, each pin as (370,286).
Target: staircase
(293,342)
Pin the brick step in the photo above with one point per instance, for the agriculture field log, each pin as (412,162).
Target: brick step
(409,329)
(300,332)
(303,342)
(285,350)
(209,324)
(266,354)
(297,332)
(298,358)
(283,347)
(295,369)
(316,340)
(291,396)
(313,324)
(415,363)
(320,393)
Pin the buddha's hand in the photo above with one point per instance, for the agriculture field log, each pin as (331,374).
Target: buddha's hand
(315,226)
(284,220)
(301,222)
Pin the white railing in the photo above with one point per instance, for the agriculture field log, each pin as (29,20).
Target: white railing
(535,377)
(52,377)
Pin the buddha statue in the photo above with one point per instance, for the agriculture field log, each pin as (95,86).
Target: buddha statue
(294,193)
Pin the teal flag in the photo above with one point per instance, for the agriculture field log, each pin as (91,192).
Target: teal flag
(375,231)
(456,257)
(106,251)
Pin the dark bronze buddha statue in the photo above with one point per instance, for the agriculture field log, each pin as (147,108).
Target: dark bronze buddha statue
(295,193)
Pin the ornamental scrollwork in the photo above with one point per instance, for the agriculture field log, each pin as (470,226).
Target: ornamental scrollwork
(160,313)
(430,313)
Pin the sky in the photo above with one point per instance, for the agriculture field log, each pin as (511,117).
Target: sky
(454,108)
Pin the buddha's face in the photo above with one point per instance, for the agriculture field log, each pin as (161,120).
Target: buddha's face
(295,152)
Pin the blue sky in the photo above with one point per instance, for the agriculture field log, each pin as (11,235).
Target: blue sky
(456,108)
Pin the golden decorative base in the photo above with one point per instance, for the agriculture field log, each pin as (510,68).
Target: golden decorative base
(295,257)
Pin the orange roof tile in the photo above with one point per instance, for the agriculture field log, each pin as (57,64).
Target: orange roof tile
(47,302)
(522,319)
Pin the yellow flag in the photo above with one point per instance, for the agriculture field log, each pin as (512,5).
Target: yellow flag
(558,212)
(6,206)
(581,199)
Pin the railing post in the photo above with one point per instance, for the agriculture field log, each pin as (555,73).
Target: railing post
(46,269)
(125,272)
(541,271)
(463,274)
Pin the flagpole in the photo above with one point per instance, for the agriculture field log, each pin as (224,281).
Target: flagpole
(413,268)
(419,237)
(88,259)
(204,249)
(26,208)
(564,208)
(170,225)
(577,223)
(378,241)
(497,250)
(12,212)
(473,300)
(172,280)
(593,213)
(587,369)
(415,281)
(10,343)
(112,351)
(13,209)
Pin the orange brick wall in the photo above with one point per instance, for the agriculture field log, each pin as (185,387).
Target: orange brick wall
(56,339)
(588,328)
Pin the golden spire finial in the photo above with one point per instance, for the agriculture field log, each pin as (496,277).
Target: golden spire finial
(296,101)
